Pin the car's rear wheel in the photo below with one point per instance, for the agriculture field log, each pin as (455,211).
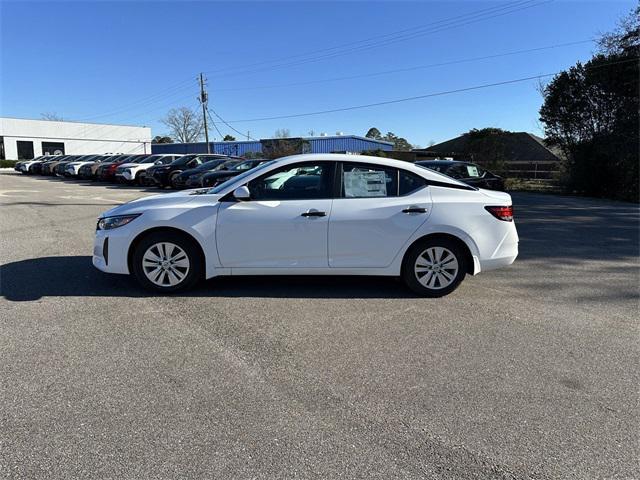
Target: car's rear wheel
(167,262)
(434,267)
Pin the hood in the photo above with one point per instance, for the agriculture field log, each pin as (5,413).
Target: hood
(165,200)
(127,165)
(222,173)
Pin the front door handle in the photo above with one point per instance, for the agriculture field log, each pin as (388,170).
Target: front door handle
(314,213)
(414,210)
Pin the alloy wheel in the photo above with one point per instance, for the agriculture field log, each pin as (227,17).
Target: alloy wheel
(165,264)
(436,268)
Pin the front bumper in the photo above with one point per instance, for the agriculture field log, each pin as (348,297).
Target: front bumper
(110,249)
(180,182)
(161,178)
(84,172)
(194,183)
(130,176)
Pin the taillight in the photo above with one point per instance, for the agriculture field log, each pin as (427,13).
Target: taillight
(501,213)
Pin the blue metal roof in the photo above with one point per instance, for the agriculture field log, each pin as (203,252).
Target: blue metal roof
(332,144)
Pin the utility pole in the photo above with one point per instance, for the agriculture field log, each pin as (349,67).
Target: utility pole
(203,100)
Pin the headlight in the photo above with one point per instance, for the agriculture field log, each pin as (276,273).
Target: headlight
(127,171)
(108,223)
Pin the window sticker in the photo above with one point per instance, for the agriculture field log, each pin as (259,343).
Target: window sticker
(365,184)
(472,171)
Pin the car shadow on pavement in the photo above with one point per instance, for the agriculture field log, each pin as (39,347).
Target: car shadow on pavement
(75,276)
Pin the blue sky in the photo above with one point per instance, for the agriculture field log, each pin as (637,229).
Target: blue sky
(129,62)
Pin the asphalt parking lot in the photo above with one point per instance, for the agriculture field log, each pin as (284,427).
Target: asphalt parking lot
(527,372)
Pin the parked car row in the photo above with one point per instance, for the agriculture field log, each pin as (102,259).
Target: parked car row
(162,170)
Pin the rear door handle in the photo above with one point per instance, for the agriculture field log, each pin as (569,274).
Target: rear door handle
(414,210)
(314,213)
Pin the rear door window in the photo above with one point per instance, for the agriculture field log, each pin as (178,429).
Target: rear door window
(473,171)
(360,180)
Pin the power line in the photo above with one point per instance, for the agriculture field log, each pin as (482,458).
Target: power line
(416,97)
(369,39)
(227,124)
(407,69)
(161,95)
(351,77)
(100,127)
(215,125)
(449,23)
(401,35)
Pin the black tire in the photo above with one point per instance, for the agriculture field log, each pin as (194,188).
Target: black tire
(194,273)
(140,178)
(410,276)
(172,179)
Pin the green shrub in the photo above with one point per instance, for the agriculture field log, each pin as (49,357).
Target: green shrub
(7,163)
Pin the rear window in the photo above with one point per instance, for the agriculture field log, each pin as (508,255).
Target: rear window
(410,182)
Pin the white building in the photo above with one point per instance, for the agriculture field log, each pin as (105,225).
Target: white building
(23,139)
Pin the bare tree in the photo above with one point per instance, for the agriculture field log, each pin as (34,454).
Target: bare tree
(51,116)
(282,133)
(185,125)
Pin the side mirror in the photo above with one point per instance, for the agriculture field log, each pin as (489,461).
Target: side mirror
(242,193)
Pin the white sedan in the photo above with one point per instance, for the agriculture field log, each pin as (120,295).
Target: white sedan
(316,214)
(134,172)
(25,166)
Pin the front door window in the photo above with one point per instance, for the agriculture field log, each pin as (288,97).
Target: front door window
(298,182)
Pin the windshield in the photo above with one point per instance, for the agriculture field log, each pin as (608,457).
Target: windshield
(227,165)
(210,164)
(149,159)
(183,159)
(239,178)
(248,165)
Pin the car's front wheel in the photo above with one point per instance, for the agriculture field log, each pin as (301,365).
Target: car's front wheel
(141,179)
(434,267)
(167,262)
(173,178)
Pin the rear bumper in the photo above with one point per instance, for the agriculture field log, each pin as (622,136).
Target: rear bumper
(504,254)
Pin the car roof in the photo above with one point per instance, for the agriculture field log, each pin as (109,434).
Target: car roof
(442,162)
(382,161)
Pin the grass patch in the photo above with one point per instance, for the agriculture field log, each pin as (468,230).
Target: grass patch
(521,185)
